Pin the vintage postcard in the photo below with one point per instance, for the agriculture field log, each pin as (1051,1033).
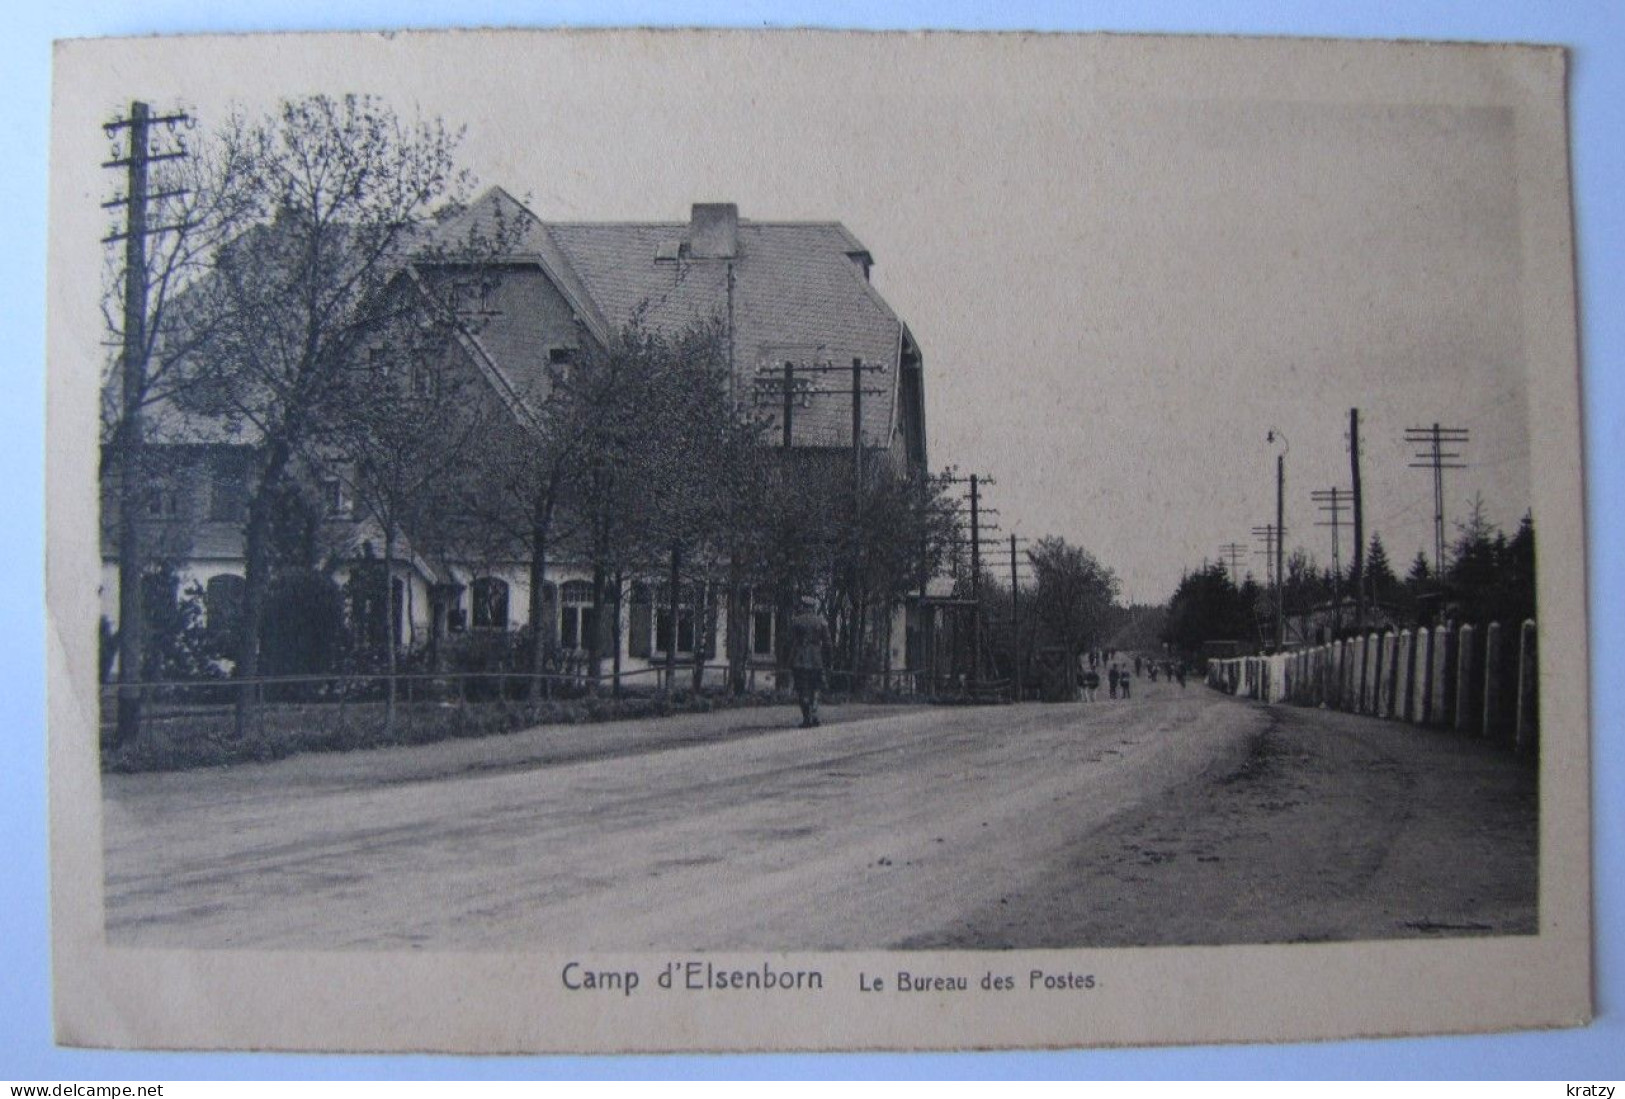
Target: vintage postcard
(652,541)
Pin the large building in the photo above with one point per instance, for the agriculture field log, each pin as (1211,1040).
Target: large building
(797,292)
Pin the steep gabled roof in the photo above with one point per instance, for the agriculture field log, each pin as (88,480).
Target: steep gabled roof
(500,220)
(799,292)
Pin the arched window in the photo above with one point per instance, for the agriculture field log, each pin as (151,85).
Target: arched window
(490,598)
(763,621)
(223,602)
(686,603)
(576,618)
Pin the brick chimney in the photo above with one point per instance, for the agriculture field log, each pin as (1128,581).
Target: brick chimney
(713,231)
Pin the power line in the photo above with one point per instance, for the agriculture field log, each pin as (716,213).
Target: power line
(1434,439)
(1334,502)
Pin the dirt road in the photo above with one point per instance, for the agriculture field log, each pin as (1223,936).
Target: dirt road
(1180,816)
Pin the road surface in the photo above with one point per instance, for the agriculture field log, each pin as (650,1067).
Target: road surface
(1181,816)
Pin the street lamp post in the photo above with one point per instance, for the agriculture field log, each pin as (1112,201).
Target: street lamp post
(1280,535)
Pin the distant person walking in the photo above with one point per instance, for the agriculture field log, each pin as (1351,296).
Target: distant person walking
(1091,684)
(1136,665)
(1127,681)
(1113,677)
(809,649)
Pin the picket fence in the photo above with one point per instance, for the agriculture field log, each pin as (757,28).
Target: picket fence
(1480,682)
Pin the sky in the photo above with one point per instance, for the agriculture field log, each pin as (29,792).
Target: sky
(1123,275)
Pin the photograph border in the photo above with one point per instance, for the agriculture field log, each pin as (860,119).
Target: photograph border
(1556,598)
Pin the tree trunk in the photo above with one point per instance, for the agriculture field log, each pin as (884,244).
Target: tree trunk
(738,630)
(437,626)
(391,633)
(673,583)
(615,635)
(540,632)
(702,622)
(595,645)
(256,581)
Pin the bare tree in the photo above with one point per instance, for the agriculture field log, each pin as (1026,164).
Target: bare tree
(340,193)
(396,436)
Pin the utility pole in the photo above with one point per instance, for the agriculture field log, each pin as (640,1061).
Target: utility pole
(1266,534)
(794,383)
(975,583)
(131,438)
(1358,575)
(1333,501)
(1280,535)
(1231,554)
(979,529)
(789,400)
(1280,544)
(1015,618)
(857,421)
(1436,458)
(1015,622)
(794,389)
(1270,534)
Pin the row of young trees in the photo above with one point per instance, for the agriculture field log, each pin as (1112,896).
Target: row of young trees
(303,312)
(1489,576)
(1067,603)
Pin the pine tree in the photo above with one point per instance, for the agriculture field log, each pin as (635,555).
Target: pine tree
(1379,573)
(1420,572)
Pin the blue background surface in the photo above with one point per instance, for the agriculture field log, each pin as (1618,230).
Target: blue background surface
(1594,31)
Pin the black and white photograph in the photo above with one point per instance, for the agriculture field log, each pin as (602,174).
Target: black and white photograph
(791,541)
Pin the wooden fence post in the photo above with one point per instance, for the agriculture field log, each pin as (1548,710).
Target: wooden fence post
(1402,676)
(1382,678)
(1426,704)
(1490,713)
(1465,712)
(1528,728)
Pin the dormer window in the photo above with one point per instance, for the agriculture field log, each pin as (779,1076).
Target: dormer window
(561,357)
(163,503)
(477,297)
(425,380)
(334,504)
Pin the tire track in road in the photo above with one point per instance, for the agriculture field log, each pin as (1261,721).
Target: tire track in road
(859,834)
(1325,827)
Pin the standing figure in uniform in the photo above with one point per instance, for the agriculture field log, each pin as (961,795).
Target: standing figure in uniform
(809,646)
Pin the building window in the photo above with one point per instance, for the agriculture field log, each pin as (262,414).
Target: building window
(663,620)
(223,602)
(228,489)
(158,596)
(761,621)
(425,379)
(576,617)
(640,622)
(761,631)
(334,503)
(163,503)
(686,620)
(477,297)
(490,598)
